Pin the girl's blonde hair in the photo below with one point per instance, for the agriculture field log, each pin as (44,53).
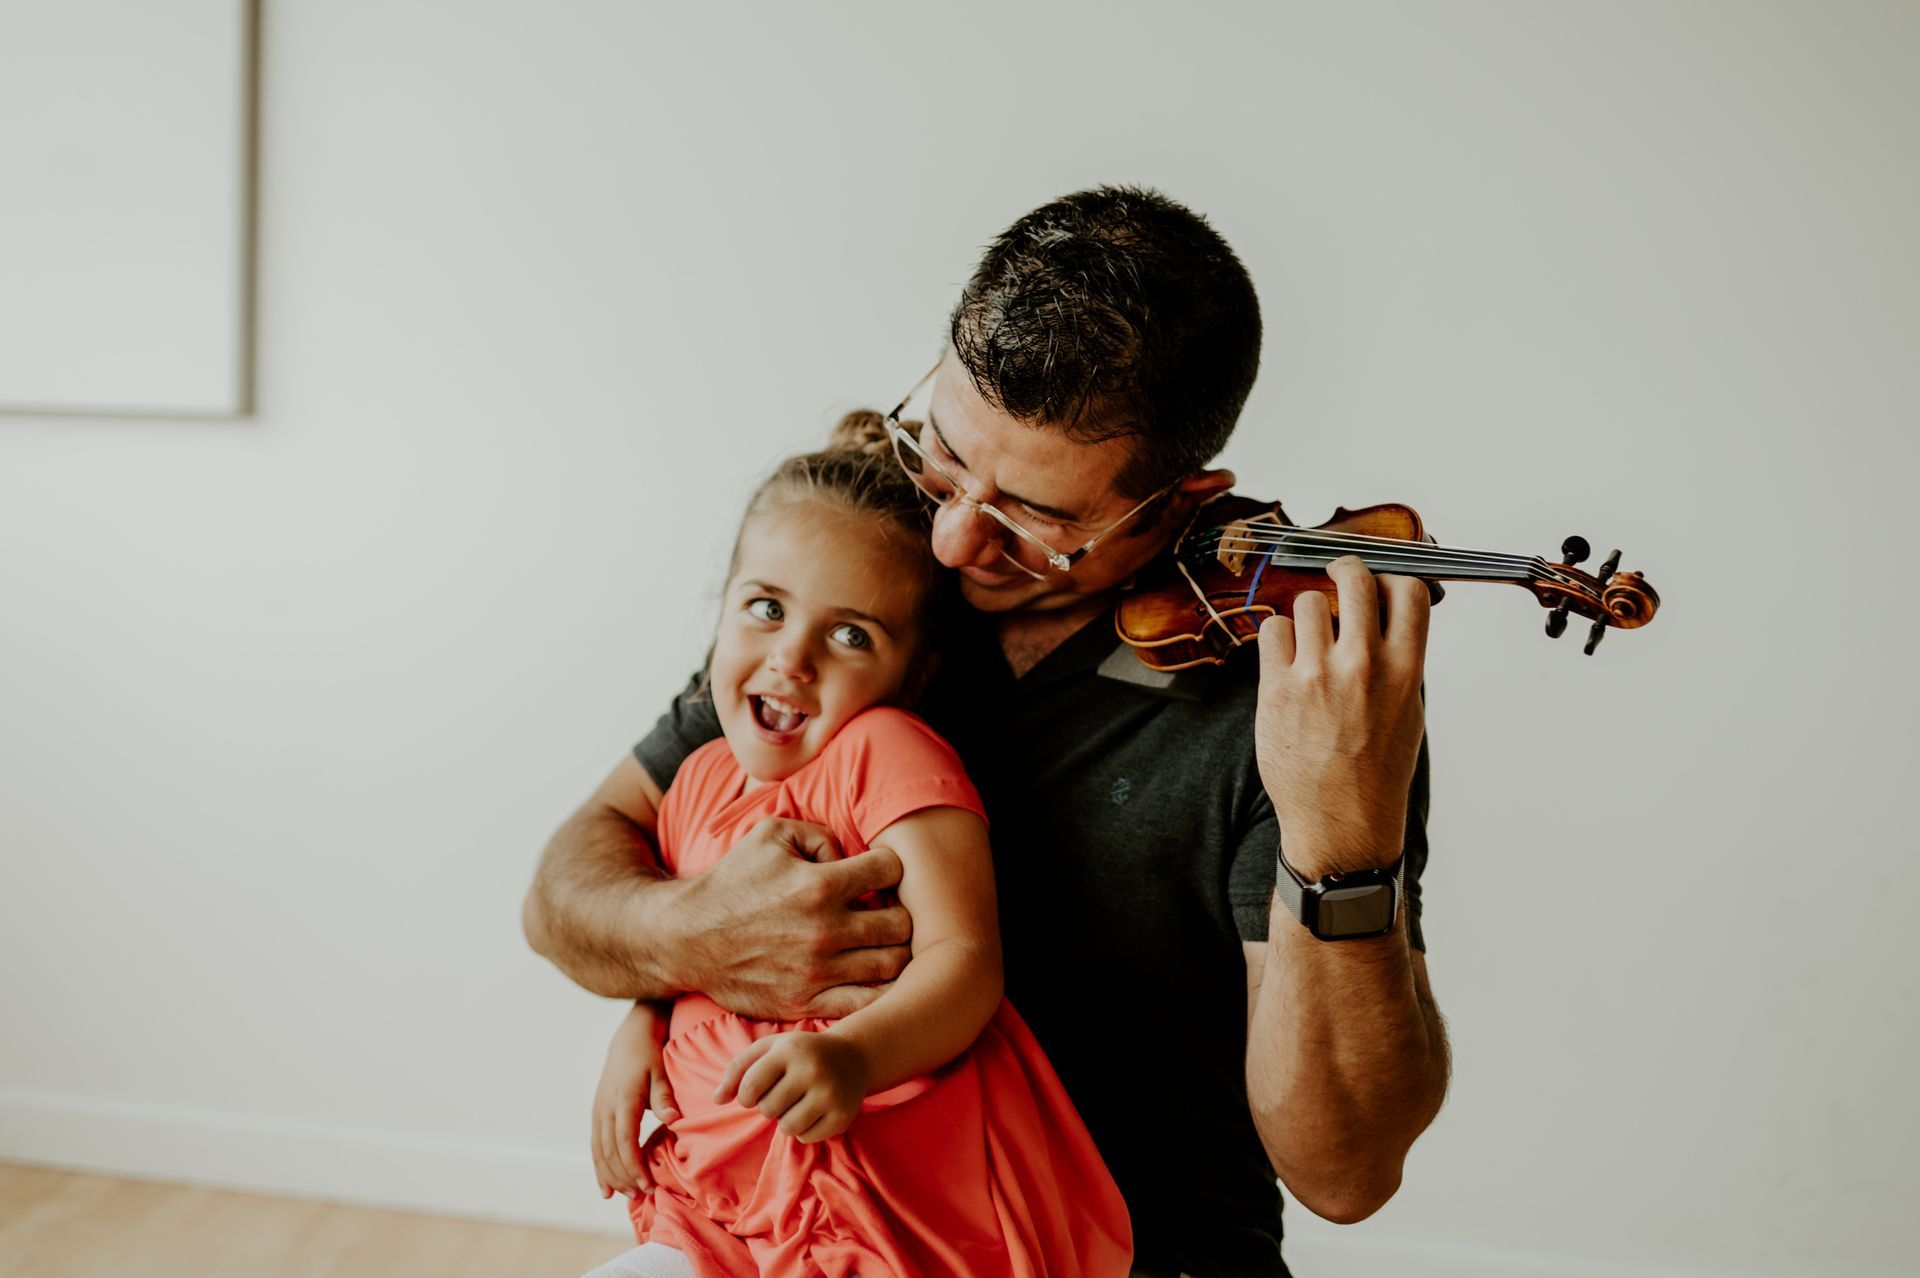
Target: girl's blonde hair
(858,473)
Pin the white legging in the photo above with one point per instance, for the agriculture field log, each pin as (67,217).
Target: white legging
(652,1260)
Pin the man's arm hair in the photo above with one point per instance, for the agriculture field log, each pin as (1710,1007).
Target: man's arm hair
(1347,1062)
(601,902)
(1347,1054)
(769,931)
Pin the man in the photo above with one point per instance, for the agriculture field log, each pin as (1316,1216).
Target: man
(1100,356)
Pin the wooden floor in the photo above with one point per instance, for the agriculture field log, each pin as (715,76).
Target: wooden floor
(56,1224)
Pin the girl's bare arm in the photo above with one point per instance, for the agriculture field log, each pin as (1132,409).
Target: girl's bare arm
(950,989)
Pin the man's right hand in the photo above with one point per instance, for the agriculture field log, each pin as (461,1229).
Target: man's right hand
(773,931)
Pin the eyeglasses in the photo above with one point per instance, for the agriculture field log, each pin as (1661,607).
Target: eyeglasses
(940,486)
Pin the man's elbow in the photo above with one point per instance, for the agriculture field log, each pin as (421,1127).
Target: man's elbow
(1348,1199)
(1337,1181)
(535,923)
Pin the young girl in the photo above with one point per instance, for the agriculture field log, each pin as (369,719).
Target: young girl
(925,1134)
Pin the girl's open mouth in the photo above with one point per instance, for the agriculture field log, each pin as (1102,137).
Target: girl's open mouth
(782,718)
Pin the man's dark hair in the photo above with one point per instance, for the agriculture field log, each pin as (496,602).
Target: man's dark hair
(1115,312)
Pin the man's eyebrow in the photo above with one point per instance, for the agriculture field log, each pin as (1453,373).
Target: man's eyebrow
(768,588)
(1038,507)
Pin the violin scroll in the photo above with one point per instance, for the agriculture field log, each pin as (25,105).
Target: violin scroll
(1621,600)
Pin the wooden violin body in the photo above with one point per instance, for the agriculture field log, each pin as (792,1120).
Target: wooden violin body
(1241,561)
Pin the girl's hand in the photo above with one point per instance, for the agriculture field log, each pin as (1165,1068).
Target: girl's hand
(634,1078)
(810,1083)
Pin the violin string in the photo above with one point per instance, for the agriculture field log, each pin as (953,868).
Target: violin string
(1258,535)
(1388,552)
(1511,567)
(1413,553)
(1411,567)
(1309,536)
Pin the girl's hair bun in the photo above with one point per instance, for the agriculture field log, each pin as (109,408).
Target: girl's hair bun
(861,431)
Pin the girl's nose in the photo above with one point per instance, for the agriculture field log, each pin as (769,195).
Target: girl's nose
(963,537)
(792,661)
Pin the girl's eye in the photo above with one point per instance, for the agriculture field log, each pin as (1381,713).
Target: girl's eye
(766,609)
(852,636)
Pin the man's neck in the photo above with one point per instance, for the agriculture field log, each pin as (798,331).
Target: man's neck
(1027,637)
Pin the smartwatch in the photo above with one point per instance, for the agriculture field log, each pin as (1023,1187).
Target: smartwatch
(1344,907)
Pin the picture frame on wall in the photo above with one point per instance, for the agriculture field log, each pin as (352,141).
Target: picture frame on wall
(126,207)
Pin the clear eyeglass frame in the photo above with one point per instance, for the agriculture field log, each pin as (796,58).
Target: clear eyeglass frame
(917,464)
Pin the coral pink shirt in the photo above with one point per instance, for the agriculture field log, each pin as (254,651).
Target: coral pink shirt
(982,1167)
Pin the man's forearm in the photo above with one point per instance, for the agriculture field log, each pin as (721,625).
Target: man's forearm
(1346,1064)
(601,908)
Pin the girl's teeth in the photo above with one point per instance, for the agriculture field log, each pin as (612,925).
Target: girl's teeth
(778,716)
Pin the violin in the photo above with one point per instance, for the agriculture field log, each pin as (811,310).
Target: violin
(1240,561)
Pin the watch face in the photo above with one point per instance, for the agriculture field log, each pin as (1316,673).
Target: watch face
(1365,909)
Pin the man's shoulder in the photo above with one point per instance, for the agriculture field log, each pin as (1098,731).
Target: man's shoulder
(707,765)
(1220,694)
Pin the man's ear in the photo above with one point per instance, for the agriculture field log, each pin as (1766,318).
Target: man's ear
(1203,485)
(1183,499)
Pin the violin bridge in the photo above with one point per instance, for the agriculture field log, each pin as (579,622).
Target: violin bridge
(1242,540)
(1235,538)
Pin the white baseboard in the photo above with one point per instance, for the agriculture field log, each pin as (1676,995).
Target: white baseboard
(396,1170)
(408,1172)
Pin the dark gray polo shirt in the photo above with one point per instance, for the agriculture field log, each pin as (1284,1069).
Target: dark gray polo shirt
(1134,849)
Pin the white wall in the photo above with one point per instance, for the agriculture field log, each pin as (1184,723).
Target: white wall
(288,706)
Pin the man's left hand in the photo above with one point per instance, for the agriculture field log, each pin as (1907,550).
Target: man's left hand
(1339,722)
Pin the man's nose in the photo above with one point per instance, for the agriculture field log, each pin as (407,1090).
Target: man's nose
(964,537)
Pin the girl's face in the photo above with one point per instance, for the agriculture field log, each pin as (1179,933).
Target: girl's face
(817,625)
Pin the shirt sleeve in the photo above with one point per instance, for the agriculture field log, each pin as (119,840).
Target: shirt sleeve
(890,764)
(1251,875)
(689,723)
(1250,880)
(1416,847)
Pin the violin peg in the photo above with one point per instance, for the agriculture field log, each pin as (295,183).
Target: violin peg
(1574,550)
(1557,622)
(1606,569)
(1595,635)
